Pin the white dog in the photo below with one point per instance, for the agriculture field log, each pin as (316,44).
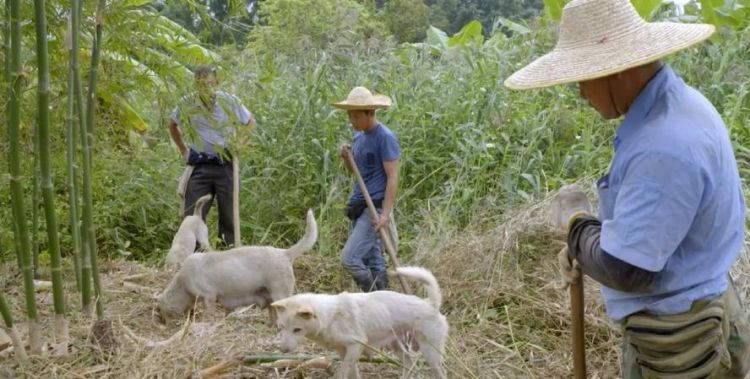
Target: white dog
(236,278)
(192,230)
(351,322)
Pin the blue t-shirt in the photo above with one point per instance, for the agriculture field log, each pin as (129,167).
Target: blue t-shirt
(207,131)
(370,150)
(672,202)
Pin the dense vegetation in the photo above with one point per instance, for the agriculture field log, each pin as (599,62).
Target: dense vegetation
(476,157)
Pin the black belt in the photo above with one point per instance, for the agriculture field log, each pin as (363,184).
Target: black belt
(200,158)
(354,210)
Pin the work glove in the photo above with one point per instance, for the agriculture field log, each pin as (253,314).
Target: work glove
(569,270)
(569,204)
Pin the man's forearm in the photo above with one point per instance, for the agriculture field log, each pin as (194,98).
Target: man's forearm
(176,134)
(583,245)
(390,195)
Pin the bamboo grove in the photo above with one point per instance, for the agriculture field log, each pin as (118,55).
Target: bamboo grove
(80,126)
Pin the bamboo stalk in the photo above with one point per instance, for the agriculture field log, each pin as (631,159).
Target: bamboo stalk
(85,252)
(8,88)
(72,166)
(90,107)
(14,165)
(10,329)
(34,234)
(46,184)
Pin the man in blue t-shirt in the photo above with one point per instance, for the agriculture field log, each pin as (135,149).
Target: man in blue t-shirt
(200,126)
(376,151)
(671,220)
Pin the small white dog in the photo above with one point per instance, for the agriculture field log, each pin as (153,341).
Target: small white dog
(236,278)
(349,323)
(192,230)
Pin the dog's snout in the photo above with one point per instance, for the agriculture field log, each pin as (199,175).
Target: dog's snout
(287,345)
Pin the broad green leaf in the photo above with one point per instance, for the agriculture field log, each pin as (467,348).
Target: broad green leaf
(125,112)
(470,33)
(732,19)
(646,8)
(437,38)
(553,9)
(514,26)
(707,10)
(128,114)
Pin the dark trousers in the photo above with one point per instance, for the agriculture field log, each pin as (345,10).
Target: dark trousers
(216,180)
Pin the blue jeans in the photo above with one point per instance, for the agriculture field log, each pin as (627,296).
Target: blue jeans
(362,255)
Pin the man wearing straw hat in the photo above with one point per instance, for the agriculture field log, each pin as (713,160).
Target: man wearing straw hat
(376,151)
(208,117)
(672,212)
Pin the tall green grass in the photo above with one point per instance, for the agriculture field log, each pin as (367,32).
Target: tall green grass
(471,149)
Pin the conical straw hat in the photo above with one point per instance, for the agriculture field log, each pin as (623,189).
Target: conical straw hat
(603,37)
(362,98)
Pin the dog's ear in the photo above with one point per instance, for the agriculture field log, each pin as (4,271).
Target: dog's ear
(278,306)
(306,312)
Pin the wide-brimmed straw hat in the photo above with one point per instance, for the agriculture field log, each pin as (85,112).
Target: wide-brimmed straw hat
(603,37)
(360,98)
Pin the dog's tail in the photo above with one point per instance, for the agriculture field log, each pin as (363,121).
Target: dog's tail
(198,211)
(424,276)
(308,240)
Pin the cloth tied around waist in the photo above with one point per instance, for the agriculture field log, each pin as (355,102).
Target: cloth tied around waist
(687,345)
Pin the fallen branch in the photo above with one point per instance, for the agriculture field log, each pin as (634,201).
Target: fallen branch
(135,277)
(199,329)
(149,344)
(216,370)
(138,288)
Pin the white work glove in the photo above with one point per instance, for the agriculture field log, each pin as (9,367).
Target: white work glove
(569,271)
(569,203)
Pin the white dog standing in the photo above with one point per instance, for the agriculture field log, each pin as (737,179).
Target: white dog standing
(192,230)
(236,278)
(351,322)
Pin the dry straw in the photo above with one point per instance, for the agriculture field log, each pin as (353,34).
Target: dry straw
(508,317)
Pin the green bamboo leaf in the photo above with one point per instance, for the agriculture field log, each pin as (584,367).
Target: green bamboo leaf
(156,20)
(553,9)
(133,66)
(136,3)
